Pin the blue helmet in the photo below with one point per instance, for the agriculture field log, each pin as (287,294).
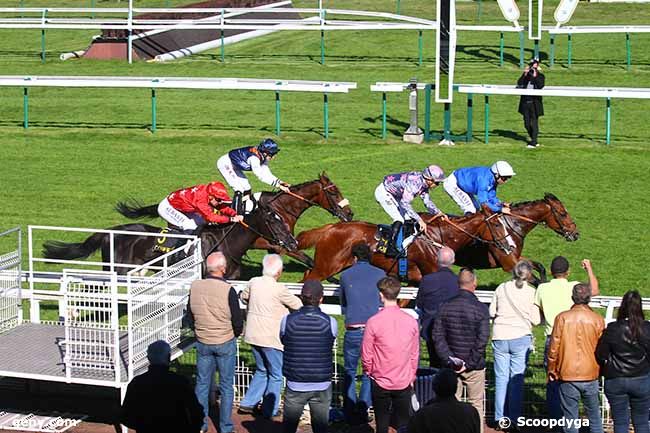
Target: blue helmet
(268,146)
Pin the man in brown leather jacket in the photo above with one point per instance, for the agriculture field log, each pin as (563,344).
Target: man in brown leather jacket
(572,360)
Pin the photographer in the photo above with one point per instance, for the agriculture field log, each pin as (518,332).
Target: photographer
(531,107)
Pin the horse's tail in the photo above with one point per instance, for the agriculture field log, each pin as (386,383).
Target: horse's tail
(71,250)
(133,209)
(308,238)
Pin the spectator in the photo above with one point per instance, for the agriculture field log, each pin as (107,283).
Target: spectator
(308,336)
(267,301)
(160,400)
(359,301)
(531,106)
(445,414)
(515,313)
(623,354)
(435,289)
(460,334)
(218,322)
(552,298)
(572,359)
(389,354)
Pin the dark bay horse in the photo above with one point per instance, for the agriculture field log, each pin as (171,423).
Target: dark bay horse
(333,243)
(525,216)
(232,239)
(290,206)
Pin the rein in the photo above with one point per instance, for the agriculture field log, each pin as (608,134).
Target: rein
(273,240)
(223,238)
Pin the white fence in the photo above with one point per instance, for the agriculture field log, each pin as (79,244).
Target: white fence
(10,280)
(157,304)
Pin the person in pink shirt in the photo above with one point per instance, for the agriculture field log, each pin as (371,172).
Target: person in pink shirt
(389,354)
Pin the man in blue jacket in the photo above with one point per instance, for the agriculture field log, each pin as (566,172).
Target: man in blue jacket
(471,187)
(359,301)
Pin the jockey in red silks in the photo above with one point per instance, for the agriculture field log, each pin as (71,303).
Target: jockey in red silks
(192,207)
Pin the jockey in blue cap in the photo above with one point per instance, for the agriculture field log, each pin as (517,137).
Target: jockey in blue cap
(397,191)
(471,187)
(256,159)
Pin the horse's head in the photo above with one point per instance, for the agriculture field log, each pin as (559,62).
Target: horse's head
(559,219)
(332,200)
(273,227)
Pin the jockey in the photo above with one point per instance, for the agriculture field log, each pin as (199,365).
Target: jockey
(255,159)
(397,191)
(471,187)
(195,206)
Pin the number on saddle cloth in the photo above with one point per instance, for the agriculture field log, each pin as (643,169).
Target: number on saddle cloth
(165,244)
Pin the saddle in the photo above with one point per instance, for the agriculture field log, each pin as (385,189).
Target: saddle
(385,244)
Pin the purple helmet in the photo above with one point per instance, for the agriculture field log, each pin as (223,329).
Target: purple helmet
(434,173)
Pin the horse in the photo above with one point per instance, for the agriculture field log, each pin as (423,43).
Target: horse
(333,243)
(523,217)
(232,239)
(288,205)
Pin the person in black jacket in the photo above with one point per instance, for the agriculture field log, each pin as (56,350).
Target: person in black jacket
(160,400)
(623,352)
(531,107)
(436,288)
(460,335)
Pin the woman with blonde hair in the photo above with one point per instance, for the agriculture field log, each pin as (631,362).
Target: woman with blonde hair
(515,313)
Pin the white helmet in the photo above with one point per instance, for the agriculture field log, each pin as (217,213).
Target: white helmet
(502,169)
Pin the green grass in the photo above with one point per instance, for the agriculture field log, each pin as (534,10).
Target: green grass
(87,148)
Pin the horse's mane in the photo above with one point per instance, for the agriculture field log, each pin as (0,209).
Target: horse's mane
(547,196)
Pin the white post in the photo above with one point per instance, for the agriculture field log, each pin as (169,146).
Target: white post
(112,248)
(129,44)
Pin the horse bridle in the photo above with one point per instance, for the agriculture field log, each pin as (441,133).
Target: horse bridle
(332,204)
(565,233)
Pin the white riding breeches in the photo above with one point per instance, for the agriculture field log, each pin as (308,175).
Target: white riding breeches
(175,217)
(462,199)
(235,178)
(389,204)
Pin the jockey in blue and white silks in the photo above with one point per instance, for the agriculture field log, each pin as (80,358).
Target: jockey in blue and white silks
(397,191)
(471,187)
(256,159)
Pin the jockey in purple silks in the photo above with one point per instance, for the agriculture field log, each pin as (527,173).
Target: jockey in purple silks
(397,191)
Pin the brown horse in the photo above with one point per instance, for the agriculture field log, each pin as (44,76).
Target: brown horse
(333,243)
(290,206)
(524,217)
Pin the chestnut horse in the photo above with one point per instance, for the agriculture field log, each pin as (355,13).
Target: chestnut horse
(333,243)
(290,206)
(524,217)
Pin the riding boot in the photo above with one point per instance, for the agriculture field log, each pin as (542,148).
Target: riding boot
(247,197)
(237,202)
(394,234)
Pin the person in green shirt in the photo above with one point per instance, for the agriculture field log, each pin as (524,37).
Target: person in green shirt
(552,298)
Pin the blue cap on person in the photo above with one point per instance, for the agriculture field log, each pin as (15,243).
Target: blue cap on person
(268,146)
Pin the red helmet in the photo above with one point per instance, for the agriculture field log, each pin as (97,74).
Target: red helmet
(218,191)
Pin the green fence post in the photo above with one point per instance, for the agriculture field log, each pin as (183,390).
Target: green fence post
(479,11)
(420,48)
(25,108)
(223,48)
(470,113)
(570,43)
(383,115)
(446,134)
(153,110)
(43,39)
(167,3)
(608,121)
(398,7)
(536,52)
(552,60)
(427,112)
(521,49)
(92,6)
(322,47)
(326,115)
(628,47)
(22,5)
(277,113)
(501,49)
(487,119)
